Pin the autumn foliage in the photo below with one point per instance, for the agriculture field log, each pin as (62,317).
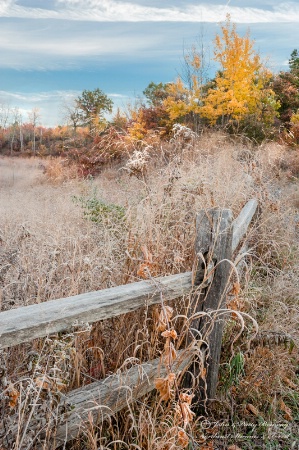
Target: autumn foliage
(241,94)
(244,98)
(241,86)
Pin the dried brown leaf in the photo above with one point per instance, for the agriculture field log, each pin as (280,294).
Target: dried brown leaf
(208,446)
(170,353)
(187,398)
(143,271)
(253,409)
(289,383)
(44,383)
(203,373)
(183,409)
(288,413)
(235,289)
(183,439)
(13,394)
(165,385)
(170,334)
(164,318)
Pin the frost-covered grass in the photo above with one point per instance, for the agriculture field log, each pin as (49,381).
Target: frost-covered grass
(49,249)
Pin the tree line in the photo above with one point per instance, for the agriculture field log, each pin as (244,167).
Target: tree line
(244,97)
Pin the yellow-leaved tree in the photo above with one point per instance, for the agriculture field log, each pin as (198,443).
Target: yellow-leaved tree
(177,101)
(241,86)
(184,99)
(137,129)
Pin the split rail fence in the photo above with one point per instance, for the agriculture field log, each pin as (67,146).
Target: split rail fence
(218,237)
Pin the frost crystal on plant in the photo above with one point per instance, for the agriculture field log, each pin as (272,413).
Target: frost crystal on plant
(182,132)
(138,162)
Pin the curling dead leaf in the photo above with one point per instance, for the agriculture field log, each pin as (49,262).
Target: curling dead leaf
(253,409)
(143,271)
(289,383)
(186,398)
(187,414)
(165,385)
(170,334)
(213,430)
(167,446)
(208,446)
(183,439)
(233,390)
(183,409)
(44,383)
(164,318)
(233,304)
(170,353)
(235,289)
(288,413)
(13,394)
(169,350)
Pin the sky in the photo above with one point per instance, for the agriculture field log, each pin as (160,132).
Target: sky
(51,50)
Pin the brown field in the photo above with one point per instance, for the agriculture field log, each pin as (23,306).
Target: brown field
(49,250)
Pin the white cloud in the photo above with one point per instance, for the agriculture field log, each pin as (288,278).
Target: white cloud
(122,11)
(5,6)
(111,44)
(36,97)
(75,46)
(118,96)
(55,46)
(40,97)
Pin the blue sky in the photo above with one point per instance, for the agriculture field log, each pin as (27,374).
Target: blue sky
(50,50)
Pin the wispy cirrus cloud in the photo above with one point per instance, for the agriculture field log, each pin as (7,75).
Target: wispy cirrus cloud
(120,45)
(42,46)
(39,97)
(126,11)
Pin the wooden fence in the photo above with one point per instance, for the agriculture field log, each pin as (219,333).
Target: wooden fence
(218,237)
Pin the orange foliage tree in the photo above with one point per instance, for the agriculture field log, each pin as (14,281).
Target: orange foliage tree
(150,116)
(242,85)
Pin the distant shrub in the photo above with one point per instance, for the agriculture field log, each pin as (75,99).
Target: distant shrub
(98,211)
(57,170)
(290,136)
(253,128)
(102,149)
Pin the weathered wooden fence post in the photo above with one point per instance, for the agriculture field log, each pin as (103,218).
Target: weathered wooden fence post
(213,249)
(217,237)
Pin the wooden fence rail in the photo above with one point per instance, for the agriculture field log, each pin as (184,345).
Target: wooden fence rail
(39,320)
(217,238)
(99,400)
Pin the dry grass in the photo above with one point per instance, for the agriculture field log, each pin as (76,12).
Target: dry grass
(49,250)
